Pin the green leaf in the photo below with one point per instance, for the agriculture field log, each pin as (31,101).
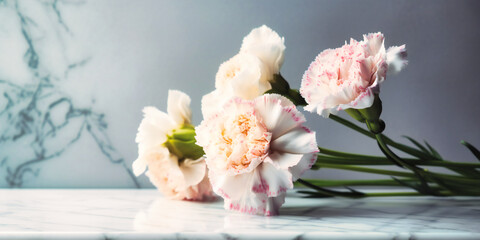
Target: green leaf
(433,151)
(422,148)
(323,191)
(419,187)
(455,188)
(472,149)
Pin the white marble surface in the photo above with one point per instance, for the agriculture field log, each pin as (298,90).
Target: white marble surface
(145,214)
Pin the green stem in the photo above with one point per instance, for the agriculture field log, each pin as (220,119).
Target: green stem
(395,194)
(412,151)
(399,194)
(396,173)
(343,183)
(375,160)
(367,170)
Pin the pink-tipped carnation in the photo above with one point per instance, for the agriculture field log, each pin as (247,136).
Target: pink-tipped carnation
(255,150)
(349,76)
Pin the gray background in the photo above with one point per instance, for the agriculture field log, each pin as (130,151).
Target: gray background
(132,52)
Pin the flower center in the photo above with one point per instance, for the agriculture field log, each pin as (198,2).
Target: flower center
(244,139)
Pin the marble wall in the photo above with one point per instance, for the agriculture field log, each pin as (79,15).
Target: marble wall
(75,74)
(52,132)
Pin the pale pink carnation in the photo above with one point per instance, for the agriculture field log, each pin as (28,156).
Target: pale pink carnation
(176,179)
(349,76)
(255,150)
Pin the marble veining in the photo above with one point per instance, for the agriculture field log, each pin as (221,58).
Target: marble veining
(145,214)
(39,121)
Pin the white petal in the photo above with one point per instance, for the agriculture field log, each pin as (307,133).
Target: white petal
(179,107)
(200,191)
(284,160)
(154,127)
(267,45)
(212,103)
(303,165)
(298,140)
(176,178)
(193,171)
(274,204)
(364,100)
(243,75)
(251,204)
(278,114)
(374,43)
(274,180)
(139,166)
(236,187)
(396,59)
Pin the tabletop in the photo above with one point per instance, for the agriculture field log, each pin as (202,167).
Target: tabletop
(145,214)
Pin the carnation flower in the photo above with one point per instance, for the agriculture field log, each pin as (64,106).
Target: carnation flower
(255,150)
(244,76)
(267,45)
(166,145)
(349,76)
(248,74)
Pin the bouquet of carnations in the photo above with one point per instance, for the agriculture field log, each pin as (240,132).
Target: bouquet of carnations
(252,145)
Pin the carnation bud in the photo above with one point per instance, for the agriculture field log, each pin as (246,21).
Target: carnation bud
(181,142)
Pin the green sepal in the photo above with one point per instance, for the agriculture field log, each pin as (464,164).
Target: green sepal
(355,114)
(184,149)
(279,84)
(185,133)
(373,112)
(181,143)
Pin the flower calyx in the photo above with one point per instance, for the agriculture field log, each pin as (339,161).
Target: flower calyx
(281,86)
(370,116)
(181,142)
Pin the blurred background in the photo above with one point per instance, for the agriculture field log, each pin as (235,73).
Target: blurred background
(75,75)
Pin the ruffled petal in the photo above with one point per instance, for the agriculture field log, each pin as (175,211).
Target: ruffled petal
(237,190)
(139,166)
(164,173)
(374,43)
(243,75)
(364,100)
(154,127)
(298,141)
(396,59)
(193,171)
(212,103)
(274,181)
(267,45)
(284,160)
(201,191)
(278,114)
(303,165)
(250,81)
(179,107)
(274,204)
